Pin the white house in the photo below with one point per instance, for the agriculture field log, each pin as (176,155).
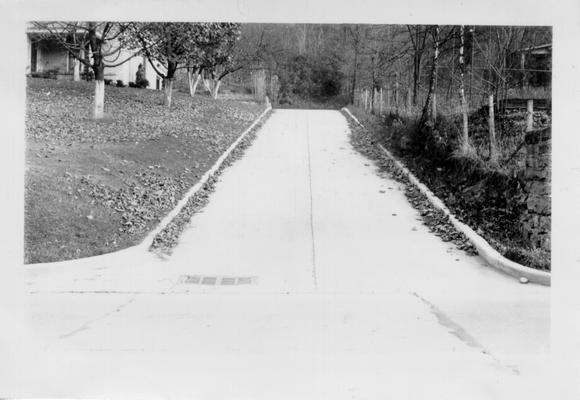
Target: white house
(47,56)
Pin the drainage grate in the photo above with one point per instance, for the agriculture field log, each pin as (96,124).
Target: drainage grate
(221,280)
(209,280)
(228,281)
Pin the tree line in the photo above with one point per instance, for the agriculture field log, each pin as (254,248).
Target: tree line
(424,67)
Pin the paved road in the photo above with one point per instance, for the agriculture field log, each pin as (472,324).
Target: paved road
(333,289)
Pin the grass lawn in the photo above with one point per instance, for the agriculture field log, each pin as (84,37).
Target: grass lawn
(92,187)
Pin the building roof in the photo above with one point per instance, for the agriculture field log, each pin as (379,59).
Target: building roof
(540,49)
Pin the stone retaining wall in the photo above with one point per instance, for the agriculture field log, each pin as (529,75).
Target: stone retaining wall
(536,223)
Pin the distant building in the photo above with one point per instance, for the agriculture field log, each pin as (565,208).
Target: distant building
(48,58)
(534,64)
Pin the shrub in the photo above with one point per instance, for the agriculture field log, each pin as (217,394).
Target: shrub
(120,83)
(88,75)
(50,74)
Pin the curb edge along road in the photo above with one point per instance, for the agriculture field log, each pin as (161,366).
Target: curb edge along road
(488,253)
(145,243)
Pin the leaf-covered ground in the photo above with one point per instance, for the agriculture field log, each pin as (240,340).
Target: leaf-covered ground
(167,239)
(97,186)
(487,202)
(365,142)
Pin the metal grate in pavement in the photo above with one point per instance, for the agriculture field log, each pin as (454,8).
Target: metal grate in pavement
(218,280)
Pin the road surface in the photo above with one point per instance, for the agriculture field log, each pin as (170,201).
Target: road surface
(308,275)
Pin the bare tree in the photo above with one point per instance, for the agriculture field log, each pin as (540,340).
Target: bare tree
(356,36)
(97,45)
(465,129)
(434,30)
(418,37)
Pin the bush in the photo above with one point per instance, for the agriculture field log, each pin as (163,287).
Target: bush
(141,84)
(88,75)
(51,74)
(120,83)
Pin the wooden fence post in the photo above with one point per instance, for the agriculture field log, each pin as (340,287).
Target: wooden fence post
(530,116)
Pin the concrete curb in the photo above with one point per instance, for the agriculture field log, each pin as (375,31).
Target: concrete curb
(488,253)
(169,217)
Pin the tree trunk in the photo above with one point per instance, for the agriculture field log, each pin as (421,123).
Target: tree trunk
(197,79)
(433,76)
(465,129)
(416,76)
(76,70)
(353,88)
(99,100)
(168,84)
(216,88)
(193,83)
(397,91)
(207,84)
(493,156)
(373,84)
(472,61)
(434,106)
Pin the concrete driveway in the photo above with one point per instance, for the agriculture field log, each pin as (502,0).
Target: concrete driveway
(308,275)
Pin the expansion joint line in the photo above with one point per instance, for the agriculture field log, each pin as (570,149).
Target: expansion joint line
(314,275)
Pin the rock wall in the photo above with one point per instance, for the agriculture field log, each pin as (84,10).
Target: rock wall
(536,224)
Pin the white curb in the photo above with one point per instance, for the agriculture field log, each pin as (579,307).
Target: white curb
(488,253)
(165,221)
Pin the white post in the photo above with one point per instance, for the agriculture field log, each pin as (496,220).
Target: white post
(530,116)
(381,101)
(367,99)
